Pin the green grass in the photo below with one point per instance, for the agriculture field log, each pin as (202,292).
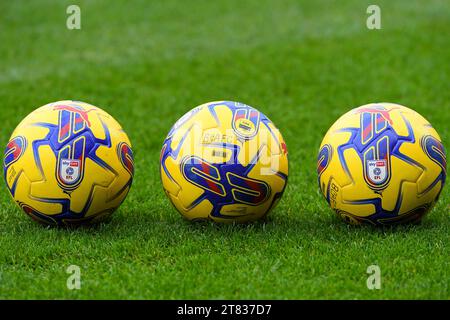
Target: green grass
(303,63)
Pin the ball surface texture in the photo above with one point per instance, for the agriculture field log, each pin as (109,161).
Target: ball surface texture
(68,163)
(381,164)
(224,161)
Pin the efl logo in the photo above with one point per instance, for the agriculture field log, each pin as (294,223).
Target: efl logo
(70,171)
(377,171)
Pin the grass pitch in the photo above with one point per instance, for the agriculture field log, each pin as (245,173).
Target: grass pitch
(302,63)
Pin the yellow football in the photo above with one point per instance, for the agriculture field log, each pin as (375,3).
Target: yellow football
(224,161)
(68,163)
(381,164)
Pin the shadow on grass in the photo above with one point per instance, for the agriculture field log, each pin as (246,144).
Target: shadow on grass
(276,223)
(145,226)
